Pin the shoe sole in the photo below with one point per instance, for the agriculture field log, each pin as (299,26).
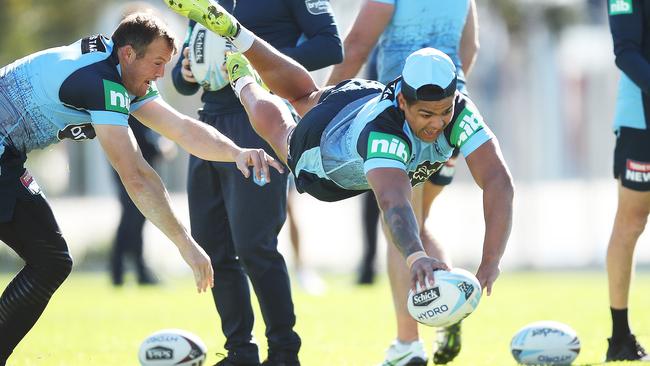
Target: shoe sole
(203,12)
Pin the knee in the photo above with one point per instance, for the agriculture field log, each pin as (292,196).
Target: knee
(632,222)
(256,258)
(55,265)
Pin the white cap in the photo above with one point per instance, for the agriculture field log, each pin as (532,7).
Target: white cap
(428,66)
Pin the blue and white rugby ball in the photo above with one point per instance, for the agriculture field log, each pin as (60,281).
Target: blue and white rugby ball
(545,343)
(454,295)
(207,56)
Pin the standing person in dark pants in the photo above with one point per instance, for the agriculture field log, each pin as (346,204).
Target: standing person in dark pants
(236,221)
(128,239)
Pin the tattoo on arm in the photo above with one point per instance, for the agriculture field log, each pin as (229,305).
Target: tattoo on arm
(403,229)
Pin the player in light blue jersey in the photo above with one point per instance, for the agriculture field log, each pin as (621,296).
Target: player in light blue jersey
(82,91)
(629,22)
(362,135)
(396,28)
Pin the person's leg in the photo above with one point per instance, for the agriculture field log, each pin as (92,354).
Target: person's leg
(629,223)
(631,162)
(308,279)
(35,236)
(430,243)
(399,278)
(448,339)
(256,216)
(211,229)
(270,118)
(370,219)
(144,274)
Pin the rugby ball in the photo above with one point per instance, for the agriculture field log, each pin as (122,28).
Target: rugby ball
(207,55)
(454,295)
(545,343)
(169,347)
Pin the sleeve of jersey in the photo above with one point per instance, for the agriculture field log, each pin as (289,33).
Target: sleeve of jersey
(383,149)
(114,106)
(390,2)
(152,94)
(323,45)
(626,25)
(468,131)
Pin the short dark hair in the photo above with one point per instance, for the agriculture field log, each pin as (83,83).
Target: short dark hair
(423,90)
(139,30)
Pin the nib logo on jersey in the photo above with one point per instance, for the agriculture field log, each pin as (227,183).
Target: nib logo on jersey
(617,7)
(383,145)
(637,171)
(426,297)
(116,98)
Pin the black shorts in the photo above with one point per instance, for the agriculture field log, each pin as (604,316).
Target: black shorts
(444,175)
(307,135)
(14,182)
(632,158)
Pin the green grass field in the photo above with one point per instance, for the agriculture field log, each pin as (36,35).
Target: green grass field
(90,323)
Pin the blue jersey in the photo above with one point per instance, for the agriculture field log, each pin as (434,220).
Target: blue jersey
(281,23)
(629,22)
(61,93)
(416,24)
(371,132)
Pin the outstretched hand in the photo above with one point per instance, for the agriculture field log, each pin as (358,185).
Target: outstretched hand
(422,272)
(260,161)
(486,275)
(201,266)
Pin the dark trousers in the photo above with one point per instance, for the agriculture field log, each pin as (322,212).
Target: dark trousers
(29,228)
(237,223)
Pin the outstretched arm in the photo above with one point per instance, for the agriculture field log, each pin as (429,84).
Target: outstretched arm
(202,140)
(469,43)
(150,196)
(491,174)
(368,26)
(393,191)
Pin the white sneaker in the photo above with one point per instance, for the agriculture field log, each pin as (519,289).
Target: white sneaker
(310,282)
(409,354)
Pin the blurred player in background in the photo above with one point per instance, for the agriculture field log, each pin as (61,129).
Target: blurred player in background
(629,22)
(396,28)
(78,92)
(236,221)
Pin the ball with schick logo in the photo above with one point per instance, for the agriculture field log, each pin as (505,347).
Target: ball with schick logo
(169,347)
(545,343)
(207,55)
(454,295)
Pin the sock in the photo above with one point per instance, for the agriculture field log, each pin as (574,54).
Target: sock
(620,324)
(243,40)
(242,82)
